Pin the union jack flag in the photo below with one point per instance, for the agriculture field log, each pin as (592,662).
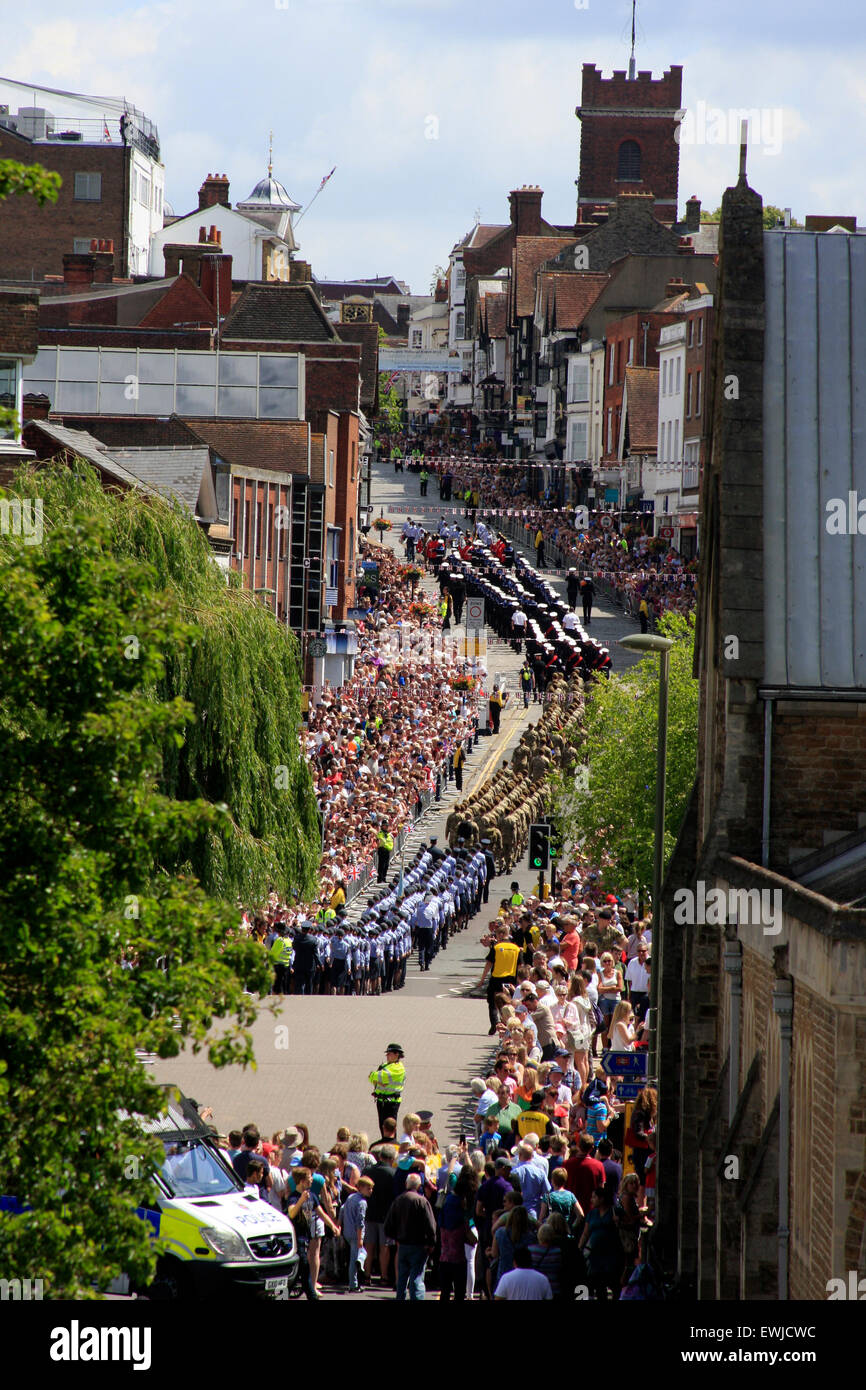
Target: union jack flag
(353,872)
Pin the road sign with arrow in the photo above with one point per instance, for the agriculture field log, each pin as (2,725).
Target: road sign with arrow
(624,1063)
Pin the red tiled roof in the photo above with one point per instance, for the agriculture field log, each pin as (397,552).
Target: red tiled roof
(642,408)
(567,298)
(482,234)
(279,445)
(277,312)
(529,253)
(124,431)
(495,311)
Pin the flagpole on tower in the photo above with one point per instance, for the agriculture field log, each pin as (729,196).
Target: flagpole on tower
(316,194)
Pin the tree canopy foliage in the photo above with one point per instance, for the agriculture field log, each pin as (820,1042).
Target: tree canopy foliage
(614,815)
(143,706)
(772,216)
(44,184)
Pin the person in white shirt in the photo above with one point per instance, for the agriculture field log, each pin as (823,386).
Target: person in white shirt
(486,1094)
(518,628)
(623,1034)
(523,1284)
(637,974)
(569,622)
(545,992)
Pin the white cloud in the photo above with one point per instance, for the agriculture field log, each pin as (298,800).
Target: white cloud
(350,83)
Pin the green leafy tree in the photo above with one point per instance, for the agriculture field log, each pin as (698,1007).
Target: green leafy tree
(108,945)
(43,184)
(390,406)
(439,272)
(614,815)
(772,216)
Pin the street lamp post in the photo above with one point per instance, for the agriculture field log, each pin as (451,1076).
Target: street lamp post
(650,642)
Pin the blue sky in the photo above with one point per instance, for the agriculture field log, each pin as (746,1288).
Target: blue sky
(355,83)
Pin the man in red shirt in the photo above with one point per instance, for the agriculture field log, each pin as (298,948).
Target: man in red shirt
(570,945)
(585,1173)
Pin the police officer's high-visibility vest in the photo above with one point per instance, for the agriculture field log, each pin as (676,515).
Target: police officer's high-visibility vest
(423,475)
(385,841)
(459,756)
(516,899)
(325,914)
(388,1081)
(281,951)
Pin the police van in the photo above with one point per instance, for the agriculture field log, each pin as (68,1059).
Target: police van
(215,1239)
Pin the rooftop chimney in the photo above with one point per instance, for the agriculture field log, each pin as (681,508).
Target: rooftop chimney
(526,210)
(215,189)
(103,262)
(676,285)
(78,267)
(216,281)
(693,213)
(36,406)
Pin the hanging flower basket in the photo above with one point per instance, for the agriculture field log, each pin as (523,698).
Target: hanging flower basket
(382,523)
(463,683)
(421,610)
(410,574)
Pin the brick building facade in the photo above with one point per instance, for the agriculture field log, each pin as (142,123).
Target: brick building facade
(268,461)
(630,341)
(762,1131)
(628,139)
(111,189)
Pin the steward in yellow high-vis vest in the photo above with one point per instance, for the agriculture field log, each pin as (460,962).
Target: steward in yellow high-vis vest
(388,1082)
(384,847)
(280,956)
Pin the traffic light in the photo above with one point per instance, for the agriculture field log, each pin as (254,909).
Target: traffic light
(555,842)
(539,847)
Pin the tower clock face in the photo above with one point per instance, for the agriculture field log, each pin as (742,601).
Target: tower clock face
(357,313)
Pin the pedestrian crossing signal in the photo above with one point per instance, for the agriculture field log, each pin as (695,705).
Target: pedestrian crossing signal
(539,846)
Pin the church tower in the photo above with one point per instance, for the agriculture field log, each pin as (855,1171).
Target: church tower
(629,139)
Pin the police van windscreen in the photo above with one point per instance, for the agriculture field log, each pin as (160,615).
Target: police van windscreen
(191,1169)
